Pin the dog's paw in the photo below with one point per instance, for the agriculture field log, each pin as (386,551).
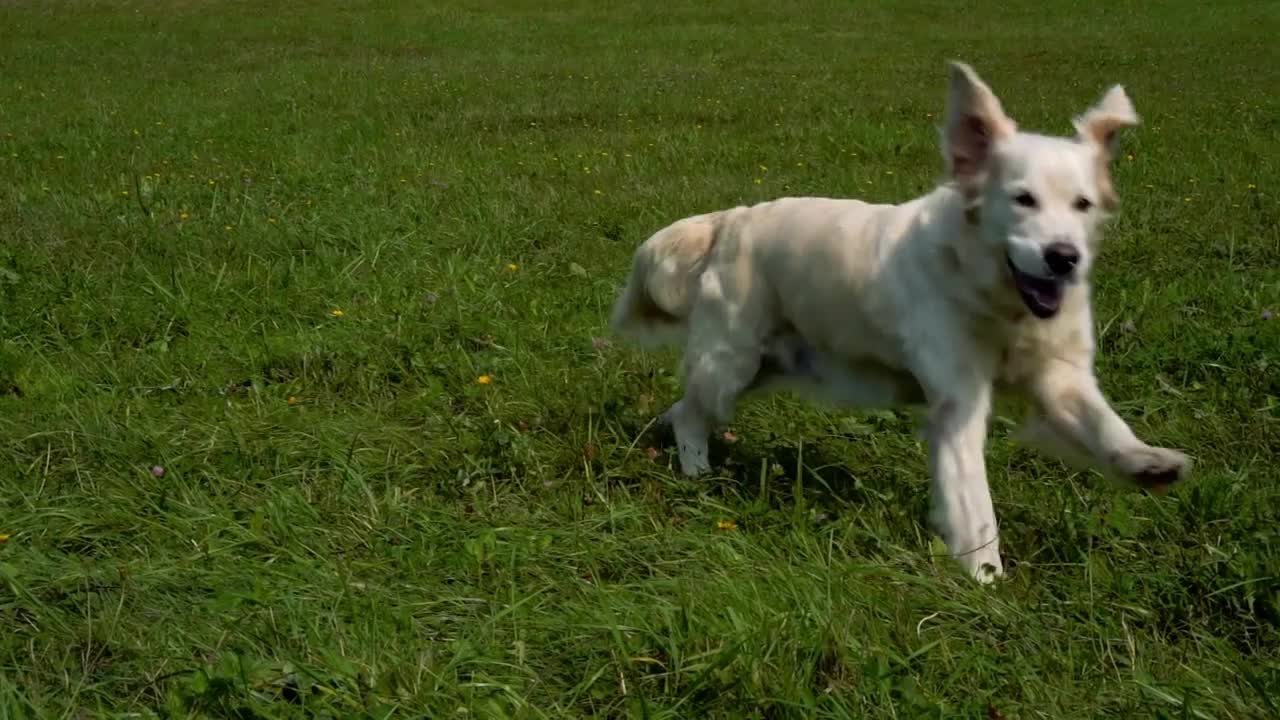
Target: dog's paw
(983,565)
(694,464)
(1153,468)
(979,560)
(975,547)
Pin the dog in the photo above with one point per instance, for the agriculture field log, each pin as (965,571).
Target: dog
(977,287)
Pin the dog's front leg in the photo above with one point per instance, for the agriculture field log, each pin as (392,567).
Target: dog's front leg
(1076,419)
(959,407)
(691,426)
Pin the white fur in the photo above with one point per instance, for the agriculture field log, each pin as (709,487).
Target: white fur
(871,305)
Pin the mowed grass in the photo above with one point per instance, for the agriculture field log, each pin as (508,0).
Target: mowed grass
(270,249)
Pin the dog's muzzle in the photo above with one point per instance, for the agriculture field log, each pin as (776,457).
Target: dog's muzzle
(1041,295)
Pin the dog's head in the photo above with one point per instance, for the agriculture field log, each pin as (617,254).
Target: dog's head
(1038,200)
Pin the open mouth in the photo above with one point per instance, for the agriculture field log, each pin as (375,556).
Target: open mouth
(1042,296)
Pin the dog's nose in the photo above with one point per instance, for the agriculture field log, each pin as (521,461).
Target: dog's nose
(1061,258)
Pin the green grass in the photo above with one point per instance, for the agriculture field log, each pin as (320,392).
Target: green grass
(350,525)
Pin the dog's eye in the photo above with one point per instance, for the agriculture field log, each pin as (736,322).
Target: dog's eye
(1025,199)
(1083,204)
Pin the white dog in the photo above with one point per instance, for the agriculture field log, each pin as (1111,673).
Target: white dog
(982,284)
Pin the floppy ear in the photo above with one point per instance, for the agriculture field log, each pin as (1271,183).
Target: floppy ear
(1100,127)
(1104,121)
(975,122)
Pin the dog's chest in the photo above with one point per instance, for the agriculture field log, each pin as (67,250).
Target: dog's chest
(1025,349)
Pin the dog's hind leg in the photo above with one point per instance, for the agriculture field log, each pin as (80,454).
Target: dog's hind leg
(722,357)
(1036,431)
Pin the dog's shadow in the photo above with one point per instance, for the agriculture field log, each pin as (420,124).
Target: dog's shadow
(767,468)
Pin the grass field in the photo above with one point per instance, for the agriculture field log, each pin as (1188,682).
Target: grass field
(256,259)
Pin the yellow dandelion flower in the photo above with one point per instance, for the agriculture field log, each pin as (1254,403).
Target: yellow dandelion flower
(183,216)
(337,312)
(293,400)
(726,525)
(484,380)
(512,267)
(1251,186)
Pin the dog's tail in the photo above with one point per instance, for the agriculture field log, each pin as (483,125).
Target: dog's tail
(655,305)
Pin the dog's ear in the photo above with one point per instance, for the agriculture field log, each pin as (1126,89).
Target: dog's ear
(1104,121)
(1100,127)
(975,122)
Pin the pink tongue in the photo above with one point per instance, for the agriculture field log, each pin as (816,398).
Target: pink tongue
(1044,293)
